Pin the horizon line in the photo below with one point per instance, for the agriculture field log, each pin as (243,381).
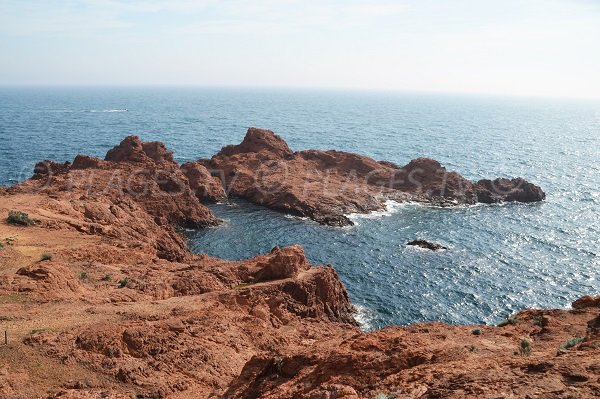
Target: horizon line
(304,88)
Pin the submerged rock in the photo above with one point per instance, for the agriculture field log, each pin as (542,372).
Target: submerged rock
(427,245)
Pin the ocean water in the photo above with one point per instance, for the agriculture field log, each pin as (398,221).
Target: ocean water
(501,258)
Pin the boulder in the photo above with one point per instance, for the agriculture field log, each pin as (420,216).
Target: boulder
(506,190)
(432,246)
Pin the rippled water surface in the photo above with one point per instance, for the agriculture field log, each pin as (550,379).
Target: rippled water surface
(501,258)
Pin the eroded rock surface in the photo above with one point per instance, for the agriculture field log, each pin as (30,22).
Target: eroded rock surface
(328,185)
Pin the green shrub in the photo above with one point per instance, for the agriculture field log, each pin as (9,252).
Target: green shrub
(45,257)
(510,320)
(473,349)
(107,277)
(123,282)
(19,218)
(572,342)
(525,347)
(84,276)
(476,331)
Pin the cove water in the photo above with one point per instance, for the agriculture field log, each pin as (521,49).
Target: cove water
(501,258)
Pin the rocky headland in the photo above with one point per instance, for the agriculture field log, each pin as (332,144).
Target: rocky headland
(328,185)
(101,298)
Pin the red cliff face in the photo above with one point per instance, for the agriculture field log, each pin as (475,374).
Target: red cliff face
(327,185)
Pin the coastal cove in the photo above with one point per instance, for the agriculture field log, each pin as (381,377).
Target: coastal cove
(105,299)
(501,258)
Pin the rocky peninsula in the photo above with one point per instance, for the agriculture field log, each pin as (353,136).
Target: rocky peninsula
(101,298)
(328,185)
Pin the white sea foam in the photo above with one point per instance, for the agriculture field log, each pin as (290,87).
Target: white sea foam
(391,207)
(288,216)
(108,110)
(364,317)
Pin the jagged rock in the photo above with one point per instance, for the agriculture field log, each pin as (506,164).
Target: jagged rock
(202,183)
(281,263)
(505,190)
(328,185)
(587,302)
(50,168)
(132,149)
(87,162)
(259,140)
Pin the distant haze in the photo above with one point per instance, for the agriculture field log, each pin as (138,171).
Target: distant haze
(512,47)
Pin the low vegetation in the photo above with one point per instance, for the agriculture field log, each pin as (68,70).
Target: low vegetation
(510,320)
(572,342)
(525,347)
(18,218)
(84,276)
(123,282)
(45,257)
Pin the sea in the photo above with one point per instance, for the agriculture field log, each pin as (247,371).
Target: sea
(501,258)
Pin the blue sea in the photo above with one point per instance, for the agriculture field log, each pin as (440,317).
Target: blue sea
(501,258)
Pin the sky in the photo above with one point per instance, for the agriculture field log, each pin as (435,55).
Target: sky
(507,47)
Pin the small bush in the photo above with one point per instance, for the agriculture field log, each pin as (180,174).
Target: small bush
(525,347)
(476,331)
(510,320)
(107,277)
(572,342)
(18,218)
(84,276)
(1,246)
(473,349)
(123,282)
(45,257)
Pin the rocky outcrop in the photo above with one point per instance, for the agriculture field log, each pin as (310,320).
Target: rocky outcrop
(203,184)
(137,193)
(505,190)
(432,246)
(435,360)
(256,141)
(134,150)
(587,302)
(328,185)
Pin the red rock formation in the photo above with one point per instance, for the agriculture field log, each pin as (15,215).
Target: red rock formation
(202,183)
(327,185)
(505,190)
(138,187)
(124,310)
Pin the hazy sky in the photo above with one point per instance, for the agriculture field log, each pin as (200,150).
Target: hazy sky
(523,47)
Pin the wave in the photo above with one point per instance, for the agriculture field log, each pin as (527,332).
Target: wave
(108,110)
(289,216)
(364,317)
(390,207)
